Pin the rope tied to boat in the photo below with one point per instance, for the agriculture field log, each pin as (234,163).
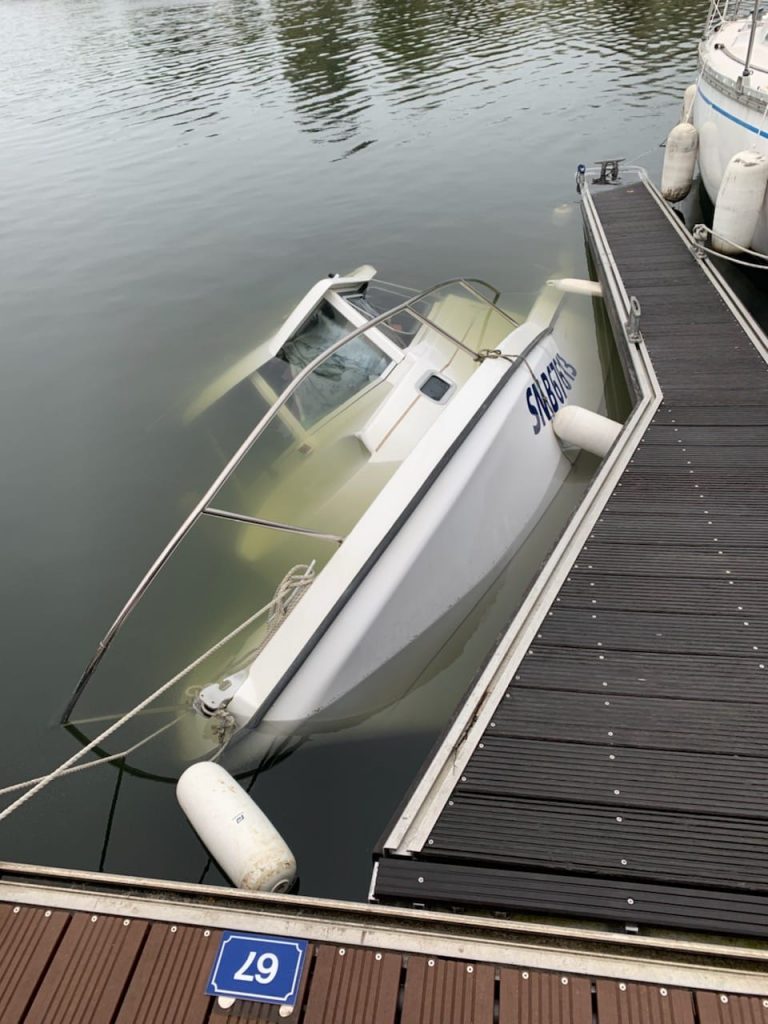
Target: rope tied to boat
(495,353)
(290,590)
(700,233)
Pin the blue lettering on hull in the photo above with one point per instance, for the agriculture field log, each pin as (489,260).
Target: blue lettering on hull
(548,394)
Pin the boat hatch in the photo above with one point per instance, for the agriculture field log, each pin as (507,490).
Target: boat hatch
(436,388)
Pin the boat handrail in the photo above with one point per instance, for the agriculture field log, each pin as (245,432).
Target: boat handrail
(271,524)
(722,11)
(746,95)
(202,506)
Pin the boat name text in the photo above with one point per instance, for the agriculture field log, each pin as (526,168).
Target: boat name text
(546,398)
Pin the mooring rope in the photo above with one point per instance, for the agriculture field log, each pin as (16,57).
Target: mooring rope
(292,586)
(731,259)
(93,764)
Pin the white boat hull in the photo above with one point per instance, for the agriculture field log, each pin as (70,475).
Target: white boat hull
(472,517)
(426,460)
(727,127)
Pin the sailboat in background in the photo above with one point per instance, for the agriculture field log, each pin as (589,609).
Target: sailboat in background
(725,124)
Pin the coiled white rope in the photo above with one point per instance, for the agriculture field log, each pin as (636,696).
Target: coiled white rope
(294,583)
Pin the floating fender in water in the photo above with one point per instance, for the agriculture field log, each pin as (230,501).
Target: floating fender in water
(679,162)
(739,201)
(576,286)
(563,213)
(234,830)
(586,429)
(686,114)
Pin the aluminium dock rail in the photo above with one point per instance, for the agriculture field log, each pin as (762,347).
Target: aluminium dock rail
(612,761)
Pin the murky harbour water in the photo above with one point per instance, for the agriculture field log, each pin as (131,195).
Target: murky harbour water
(176,175)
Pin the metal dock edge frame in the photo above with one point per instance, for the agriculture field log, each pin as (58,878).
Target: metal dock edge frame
(714,966)
(436,784)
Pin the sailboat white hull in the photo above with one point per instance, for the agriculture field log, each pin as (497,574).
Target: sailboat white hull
(730,114)
(727,127)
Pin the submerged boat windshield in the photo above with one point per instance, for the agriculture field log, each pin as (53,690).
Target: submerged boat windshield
(335,381)
(373,301)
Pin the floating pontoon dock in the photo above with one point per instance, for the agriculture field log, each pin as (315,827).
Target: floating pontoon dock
(606,776)
(78,947)
(612,763)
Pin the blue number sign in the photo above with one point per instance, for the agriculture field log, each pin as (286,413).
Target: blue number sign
(258,967)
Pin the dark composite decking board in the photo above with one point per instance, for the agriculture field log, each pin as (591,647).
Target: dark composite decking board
(716,597)
(668,633)
(670,676)
(625,772)
(58,966)
(650,723)
(702,415)
(620,840)
(668,433)
(623,900)
(652,779)
(713,561)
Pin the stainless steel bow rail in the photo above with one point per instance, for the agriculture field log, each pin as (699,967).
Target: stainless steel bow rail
(203,506)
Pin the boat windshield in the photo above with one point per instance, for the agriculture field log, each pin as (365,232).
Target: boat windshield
(335,381)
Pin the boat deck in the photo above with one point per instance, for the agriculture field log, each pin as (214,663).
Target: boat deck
(617,767)
(134,954)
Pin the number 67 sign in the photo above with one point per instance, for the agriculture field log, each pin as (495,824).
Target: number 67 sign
(258,967)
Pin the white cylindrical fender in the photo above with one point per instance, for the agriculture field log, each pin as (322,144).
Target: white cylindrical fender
(585,429)
(234,830)
(686,114)
(575,286)
(679,162)
(739,201)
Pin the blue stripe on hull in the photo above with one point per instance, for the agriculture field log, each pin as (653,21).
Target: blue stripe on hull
(732,117)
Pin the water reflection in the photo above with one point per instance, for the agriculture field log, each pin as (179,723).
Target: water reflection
(336,62)
(321,57)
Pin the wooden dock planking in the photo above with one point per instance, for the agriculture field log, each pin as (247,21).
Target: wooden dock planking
(28,938)
(623,774)
(58,966)
(170,975)
(533,997)
(87,975)
(619,1003)
(353,986)
(448,992)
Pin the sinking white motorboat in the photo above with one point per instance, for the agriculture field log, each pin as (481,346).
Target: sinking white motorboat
(407,449)
(724,123)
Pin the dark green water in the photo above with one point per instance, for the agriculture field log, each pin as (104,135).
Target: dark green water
(175,176)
